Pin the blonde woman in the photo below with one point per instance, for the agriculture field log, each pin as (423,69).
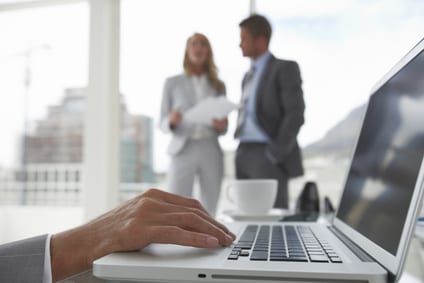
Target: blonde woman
(194,148)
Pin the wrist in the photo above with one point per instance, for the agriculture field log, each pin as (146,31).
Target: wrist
(73,251)
(99,238)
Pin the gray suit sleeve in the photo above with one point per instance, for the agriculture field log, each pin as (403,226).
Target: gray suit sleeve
(292,102)
(23,261)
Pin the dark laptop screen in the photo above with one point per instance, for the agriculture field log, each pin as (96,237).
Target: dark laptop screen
(387,158)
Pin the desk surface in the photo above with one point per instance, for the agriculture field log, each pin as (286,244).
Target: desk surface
(413,272)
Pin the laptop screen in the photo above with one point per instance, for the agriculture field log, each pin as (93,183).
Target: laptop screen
(387,159)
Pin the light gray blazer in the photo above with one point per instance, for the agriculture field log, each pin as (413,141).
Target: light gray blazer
(23,261)
(179,95)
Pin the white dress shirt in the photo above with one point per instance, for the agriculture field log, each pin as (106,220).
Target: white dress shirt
(251,131)
(47,276)
(200,84)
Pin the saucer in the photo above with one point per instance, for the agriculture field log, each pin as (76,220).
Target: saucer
(274,214)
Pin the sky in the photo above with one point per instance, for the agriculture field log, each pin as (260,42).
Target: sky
(342,47)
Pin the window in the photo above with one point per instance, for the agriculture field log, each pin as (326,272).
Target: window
(343,48)
(44,71)
(153,38)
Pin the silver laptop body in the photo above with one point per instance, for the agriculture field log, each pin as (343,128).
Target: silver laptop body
(369,236)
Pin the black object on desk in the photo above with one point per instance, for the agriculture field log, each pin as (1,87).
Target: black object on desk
(307,205)
(328,206)
(301,217)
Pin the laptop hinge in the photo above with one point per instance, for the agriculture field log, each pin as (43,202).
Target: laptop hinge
(360,253)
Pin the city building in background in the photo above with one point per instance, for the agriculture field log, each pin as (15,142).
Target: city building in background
(52,155)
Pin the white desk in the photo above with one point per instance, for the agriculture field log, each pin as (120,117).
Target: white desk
(413,272)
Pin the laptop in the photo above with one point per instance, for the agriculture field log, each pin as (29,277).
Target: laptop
(369,236)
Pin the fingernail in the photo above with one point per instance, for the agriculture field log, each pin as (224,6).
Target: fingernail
(211,241)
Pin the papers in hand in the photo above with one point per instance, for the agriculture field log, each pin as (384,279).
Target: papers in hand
(208,109)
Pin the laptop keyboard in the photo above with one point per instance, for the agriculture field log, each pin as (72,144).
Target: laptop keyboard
(282,243)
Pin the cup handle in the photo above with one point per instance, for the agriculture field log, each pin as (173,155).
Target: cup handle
(228,195)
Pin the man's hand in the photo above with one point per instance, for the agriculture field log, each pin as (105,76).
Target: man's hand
(153,217)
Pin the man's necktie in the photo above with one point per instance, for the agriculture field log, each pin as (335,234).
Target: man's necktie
(244,97)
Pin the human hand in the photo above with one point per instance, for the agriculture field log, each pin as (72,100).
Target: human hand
(175,118)
(160,217)
(220,124)
(152,217)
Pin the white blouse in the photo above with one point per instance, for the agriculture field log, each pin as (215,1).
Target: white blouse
(200,84)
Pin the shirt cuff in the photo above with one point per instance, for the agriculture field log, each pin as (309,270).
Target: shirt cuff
(47,276)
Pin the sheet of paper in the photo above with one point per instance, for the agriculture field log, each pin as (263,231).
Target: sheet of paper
(208,109)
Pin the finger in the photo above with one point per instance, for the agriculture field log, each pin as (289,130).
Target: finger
(179,236)
(192,222)
(183,204)
(174,208)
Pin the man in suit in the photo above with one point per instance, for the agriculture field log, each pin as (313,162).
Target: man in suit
(271,114)
(152,217)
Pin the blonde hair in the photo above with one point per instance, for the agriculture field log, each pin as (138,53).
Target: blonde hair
(210,68)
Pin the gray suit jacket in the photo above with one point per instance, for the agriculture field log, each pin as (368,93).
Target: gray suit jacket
(279,109)
(23,261)
(179,95)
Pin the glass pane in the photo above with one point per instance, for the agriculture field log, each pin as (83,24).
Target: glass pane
(153,38)
(43,66)
(343,48)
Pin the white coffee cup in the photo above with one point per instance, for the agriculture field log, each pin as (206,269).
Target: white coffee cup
(252,196)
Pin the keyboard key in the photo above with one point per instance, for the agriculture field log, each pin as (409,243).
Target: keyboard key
(297,255)
(278,255)
(297,259)
(314,250)
(279,251)
(259,256)
(278,258)
(316,253)
(243,246)
(336,259)
(318,258)
(265,249)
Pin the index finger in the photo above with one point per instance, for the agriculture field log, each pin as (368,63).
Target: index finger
(179,236)
(185,202)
